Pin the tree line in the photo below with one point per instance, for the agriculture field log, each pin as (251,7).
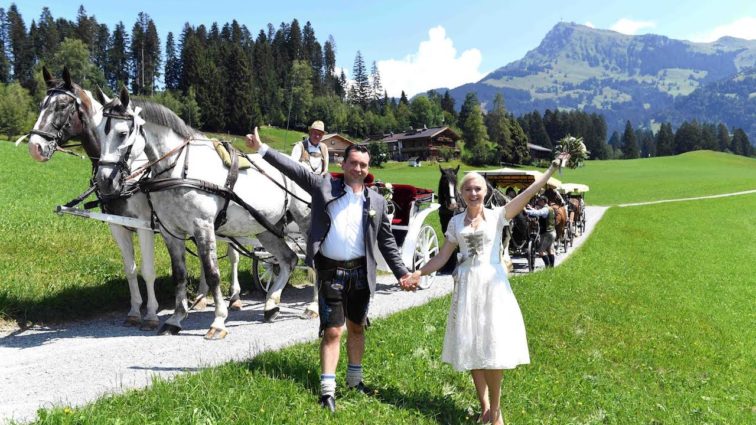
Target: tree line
(225,78)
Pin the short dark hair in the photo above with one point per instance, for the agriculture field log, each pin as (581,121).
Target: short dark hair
(355,147)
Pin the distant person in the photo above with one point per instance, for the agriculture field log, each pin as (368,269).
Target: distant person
(547,225)
(311,152)
(485,332)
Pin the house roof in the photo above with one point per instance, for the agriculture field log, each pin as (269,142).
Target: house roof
(539,148)
(421,133)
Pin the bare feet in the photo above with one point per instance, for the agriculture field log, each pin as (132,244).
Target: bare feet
(485,417)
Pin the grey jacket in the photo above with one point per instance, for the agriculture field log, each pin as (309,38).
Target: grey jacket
(324,190)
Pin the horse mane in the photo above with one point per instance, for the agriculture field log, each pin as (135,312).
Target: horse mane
(156,114)
(161,115)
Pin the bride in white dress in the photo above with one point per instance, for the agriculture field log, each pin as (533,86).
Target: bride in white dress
(485,332)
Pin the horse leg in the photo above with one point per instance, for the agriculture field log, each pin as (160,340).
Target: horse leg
(177,251)
(287,260)
(311,311)
(206,249)
(150,320)
(235,301)
(125,243)
(200,301)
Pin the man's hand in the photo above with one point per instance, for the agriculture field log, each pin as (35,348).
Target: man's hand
(253,141)
(409,281)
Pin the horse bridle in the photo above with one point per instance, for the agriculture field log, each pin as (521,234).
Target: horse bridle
(122,164)
(57,137)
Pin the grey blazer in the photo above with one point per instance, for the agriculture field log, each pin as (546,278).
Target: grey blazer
(324,190)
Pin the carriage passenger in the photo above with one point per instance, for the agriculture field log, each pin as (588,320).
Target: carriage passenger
(547,225)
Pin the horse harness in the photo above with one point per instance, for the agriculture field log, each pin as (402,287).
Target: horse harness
(57,136)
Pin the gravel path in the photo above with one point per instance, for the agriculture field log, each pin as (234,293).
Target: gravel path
(76,363)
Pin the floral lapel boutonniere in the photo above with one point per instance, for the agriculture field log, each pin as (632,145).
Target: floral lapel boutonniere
(371,213)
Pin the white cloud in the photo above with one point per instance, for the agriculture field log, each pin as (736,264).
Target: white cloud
(742,28)
(631,27)
(435,65)
(589,24)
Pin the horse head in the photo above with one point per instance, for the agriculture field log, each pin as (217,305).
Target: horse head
(66,112)
(121,140)
(448,194)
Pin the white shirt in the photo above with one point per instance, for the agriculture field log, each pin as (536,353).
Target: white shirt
(346,238)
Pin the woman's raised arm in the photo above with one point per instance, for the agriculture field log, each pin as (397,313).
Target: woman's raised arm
(516,205)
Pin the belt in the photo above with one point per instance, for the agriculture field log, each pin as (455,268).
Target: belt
(323,262)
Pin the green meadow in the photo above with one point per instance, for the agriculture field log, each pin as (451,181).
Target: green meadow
(650,321)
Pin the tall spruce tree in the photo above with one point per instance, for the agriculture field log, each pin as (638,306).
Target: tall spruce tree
(22,54)
(100,52)
(687,137)
(629,142)
(145,55)
(243,113)
(740,143)
(172,64)
(46,39)
(665,140)
(499,128)
(520,152)
(331,80)
(361,93)
(4,61)
(474,131)
(709,137)
(117,69)
(723,138)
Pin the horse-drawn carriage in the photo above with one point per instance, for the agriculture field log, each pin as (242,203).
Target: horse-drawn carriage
(524,238)
(575,194)
(409,207)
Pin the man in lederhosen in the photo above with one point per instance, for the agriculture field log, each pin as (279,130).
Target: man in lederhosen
(349,226)
(311,152)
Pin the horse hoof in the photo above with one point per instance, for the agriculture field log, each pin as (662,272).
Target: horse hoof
(132,321)
(200,303)
(272,314)
(149,325)
(309,314)
(167,329)
(235,305)
(216,334)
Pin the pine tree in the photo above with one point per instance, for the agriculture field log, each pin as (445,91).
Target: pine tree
(85,28)
(687,137)
(301,93)
(403,99)
(499,128)
(294,41)
(4,61)
(172,64)
(243,114)
(117,69)
(362,91)
(520,152)
(145,55)
(100,47)
(709,137)
(740,143)
(723,138)
(22,54)
(665,140)
(375,77)
(629,143)
(474,131)
(46,39)
(331,81)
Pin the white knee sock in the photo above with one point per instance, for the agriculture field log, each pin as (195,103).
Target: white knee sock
(328,385)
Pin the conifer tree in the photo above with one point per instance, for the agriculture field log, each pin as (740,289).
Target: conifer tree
(723,138)
(46,39)
(629,142)
(499,128)
(117,70)
(172,64)
(4,61)
(740,143)
(665,140)
(22,54)
(361,93)
(243,114)
(687,137)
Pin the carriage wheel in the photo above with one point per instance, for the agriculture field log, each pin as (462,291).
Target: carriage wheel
(582,224)
(426,248)
(265,269)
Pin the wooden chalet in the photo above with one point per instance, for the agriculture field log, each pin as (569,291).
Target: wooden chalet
(336,144)
(422,143)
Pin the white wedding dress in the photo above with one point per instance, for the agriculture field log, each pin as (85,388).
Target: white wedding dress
(485,329)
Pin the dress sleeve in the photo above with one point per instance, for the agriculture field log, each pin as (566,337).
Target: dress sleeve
(451,231)
(501,217)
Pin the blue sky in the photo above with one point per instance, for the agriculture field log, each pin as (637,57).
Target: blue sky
(420,45)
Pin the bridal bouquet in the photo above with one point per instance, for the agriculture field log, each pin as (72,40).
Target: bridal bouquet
(575,147)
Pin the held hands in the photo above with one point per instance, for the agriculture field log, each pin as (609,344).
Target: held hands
(253,140)
(410,281)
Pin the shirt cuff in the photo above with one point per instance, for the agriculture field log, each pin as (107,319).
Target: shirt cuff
(263,149)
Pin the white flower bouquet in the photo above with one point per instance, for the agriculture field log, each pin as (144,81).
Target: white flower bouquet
(575,147)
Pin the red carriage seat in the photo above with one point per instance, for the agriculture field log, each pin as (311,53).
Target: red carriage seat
(404,195)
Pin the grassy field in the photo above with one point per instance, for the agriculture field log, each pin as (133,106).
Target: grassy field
(650,322)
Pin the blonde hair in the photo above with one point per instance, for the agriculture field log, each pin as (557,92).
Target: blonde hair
(473,176)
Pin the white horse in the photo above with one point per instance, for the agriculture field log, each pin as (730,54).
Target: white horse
(187,193)
(69,112)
